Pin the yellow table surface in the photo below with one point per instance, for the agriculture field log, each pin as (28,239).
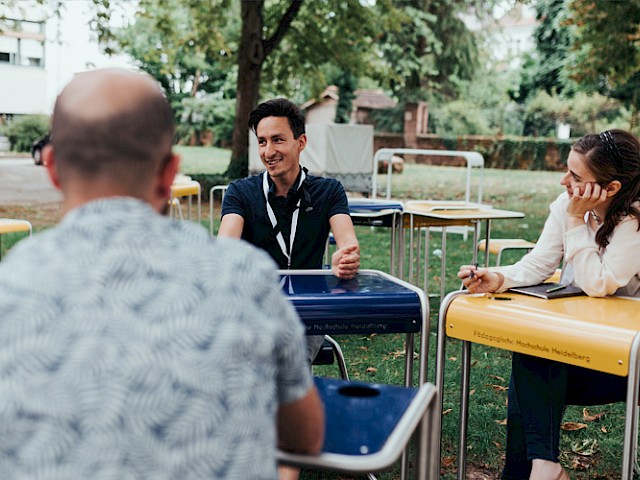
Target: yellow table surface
(425,215)
(435,204)
(589,332)
(8,225)
(185,189)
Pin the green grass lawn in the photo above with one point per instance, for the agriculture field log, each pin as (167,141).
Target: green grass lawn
(203,159)
(592,452)
(380,358)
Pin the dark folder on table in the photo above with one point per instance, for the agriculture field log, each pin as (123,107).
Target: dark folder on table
(549,290)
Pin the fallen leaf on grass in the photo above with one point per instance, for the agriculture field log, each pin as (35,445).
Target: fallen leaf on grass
(364,349)
(371,370)
(590,418)
(448,410)
(586,447)
(497,378)
(582,463)
(453,359)
(497,444)
(603,429)
(573,426)
(448,461)
(369,337)
(472,391)
(501,422)
(397,354)
(497,388)
(474,363)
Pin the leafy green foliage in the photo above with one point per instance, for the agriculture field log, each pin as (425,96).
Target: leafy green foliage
(203,114)
(585,113)
(546,68)
(429,48)
(346,84)
(291,48)
(608,49)
(389,119)
(173,41)
(607,40)
(326,37)
(460,117)
(25,129)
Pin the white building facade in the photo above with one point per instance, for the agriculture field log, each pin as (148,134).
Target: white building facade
(40,51)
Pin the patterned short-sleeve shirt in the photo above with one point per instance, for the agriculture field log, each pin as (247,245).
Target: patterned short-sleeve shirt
(134,347)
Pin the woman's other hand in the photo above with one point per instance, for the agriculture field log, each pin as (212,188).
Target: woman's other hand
(579,204)
(480,280)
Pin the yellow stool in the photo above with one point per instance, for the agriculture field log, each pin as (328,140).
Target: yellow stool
(9,225)
(498,245)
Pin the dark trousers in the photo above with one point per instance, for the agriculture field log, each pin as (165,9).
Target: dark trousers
(538,392)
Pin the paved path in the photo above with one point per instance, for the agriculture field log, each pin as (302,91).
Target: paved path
(23,183)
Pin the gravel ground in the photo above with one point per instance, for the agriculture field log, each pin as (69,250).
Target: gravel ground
(27,193)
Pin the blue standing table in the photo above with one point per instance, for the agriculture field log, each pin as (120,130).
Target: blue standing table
(379,213)
(372,302)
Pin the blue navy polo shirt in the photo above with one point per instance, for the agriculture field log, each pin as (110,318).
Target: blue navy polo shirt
(320,199)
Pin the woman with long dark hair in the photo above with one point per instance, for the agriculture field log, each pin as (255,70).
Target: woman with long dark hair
(593,230)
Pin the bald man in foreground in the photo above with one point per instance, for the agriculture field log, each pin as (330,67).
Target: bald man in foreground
(134,346)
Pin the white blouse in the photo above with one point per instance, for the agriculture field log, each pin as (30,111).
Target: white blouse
(615,271)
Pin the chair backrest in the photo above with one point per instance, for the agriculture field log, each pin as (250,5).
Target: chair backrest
(217,188)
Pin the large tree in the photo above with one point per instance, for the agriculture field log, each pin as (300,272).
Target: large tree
(254,49)
(293,47)
(292,42)
(431,48)
(187,44)
(547,67)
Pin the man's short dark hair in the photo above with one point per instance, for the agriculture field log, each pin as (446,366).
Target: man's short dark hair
(278,107)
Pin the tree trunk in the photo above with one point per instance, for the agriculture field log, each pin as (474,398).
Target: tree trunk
(250,60)
(251,55)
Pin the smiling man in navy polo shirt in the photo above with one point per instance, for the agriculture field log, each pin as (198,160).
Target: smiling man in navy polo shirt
(285,211)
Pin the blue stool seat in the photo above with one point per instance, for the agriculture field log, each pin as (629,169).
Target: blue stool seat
(367,425)
(370,410)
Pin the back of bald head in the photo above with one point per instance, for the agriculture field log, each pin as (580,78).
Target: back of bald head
(111,125)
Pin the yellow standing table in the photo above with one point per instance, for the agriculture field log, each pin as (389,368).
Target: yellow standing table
(9,225)
(443,214)
(185,187)
(597,333)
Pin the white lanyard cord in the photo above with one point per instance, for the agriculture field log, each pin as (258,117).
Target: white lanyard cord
(274,222)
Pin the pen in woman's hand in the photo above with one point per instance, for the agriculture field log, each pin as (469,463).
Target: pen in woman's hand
(472,273)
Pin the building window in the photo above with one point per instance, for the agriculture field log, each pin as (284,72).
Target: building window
(23,44)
